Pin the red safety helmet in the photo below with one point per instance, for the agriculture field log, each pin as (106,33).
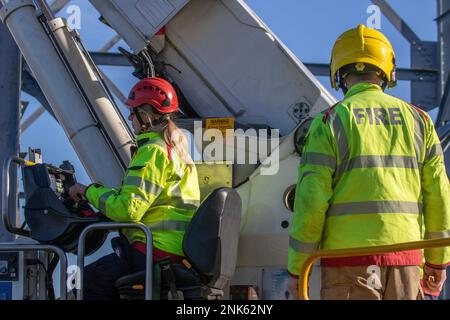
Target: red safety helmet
(156,92)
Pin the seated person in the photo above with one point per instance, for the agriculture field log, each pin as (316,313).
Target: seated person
(160,189)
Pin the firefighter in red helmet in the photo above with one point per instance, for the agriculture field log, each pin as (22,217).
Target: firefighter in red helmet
(160,189)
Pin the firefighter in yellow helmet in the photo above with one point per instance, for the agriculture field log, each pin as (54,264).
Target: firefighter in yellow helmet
(372,173)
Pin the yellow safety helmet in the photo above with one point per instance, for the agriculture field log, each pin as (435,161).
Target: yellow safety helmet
(364,48)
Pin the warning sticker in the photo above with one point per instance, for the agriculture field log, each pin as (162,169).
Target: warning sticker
(221,124)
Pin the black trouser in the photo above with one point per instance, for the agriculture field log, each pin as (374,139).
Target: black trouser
(99,277)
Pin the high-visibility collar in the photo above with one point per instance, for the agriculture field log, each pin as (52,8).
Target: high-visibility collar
(147,136)
(360,87)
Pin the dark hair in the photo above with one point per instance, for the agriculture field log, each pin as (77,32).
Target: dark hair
(365,76)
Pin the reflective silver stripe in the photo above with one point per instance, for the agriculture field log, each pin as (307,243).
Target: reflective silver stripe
(176,191)
(136,168)
(339,209)
(176,200)
(342,141)
(305,174)
(320,159)
(179,202)
(168,225)
(340,135)
(435,150)
(303,247)
(185,204)
(419,134)
(143,184)
(102,201)
(380,162)
(105,196)
(192,202)
(437,234)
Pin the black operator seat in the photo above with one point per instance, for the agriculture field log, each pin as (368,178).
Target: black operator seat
(210,245)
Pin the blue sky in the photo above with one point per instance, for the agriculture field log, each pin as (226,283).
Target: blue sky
(308,27)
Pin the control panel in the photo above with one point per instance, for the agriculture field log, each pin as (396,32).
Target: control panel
(51,215)
(9,266)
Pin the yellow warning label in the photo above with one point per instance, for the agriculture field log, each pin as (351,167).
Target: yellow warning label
(221,124)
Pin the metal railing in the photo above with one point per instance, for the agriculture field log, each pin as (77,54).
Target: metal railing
(340,253)
(5,194)
(116,226)
(81,242)
(11,247)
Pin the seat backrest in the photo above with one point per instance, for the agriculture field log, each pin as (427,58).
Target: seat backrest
(211,239)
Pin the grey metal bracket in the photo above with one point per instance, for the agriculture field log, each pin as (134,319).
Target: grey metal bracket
(424,55)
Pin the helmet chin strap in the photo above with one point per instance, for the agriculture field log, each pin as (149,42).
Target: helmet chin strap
(142,124)
(343,87)
(384,85)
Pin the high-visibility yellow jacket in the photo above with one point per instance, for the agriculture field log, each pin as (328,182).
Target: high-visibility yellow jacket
(158,190)
(372,174)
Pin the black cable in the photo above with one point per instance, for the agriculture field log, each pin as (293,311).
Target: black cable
(48,273)
(33,262)
(150,71)
(24,224)
(51,268)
